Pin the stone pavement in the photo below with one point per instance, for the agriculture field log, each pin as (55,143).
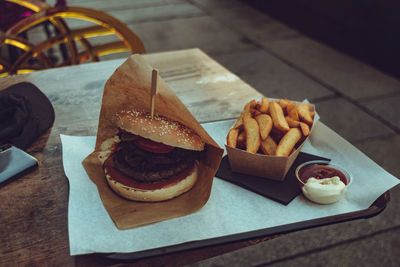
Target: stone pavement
(358,101)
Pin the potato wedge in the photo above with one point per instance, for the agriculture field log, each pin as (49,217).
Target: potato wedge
(291,110)
(284,103)
(263,107)
(292,123)
(232,137)
(252,134)
(268,146)
(246,110)
(278,117)
(305,129)
(304,113)
(265,124)
(288,141)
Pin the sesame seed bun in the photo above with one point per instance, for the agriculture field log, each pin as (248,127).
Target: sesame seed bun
(159,129)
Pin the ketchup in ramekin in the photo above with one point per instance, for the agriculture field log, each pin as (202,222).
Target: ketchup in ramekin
(329,181)
(320,172)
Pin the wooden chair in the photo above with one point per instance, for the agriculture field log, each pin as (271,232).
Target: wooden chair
(81,43)
(11,12)
(43,61)
(34,5)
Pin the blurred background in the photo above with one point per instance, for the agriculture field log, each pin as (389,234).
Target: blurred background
(367,30)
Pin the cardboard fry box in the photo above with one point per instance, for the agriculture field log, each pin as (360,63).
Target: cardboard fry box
(129,88)
(269,167)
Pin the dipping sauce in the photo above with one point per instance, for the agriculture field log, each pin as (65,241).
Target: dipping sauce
(322,182)
(320,172)
(325,190)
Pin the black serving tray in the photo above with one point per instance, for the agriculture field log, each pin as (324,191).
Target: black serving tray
(376,208)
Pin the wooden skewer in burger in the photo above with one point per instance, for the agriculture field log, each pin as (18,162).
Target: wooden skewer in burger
(152,158)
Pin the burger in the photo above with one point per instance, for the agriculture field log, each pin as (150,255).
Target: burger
(151,158)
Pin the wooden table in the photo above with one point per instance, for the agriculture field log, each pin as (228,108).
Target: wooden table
(34,208)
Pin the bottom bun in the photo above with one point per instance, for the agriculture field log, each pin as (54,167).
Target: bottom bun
(155,195)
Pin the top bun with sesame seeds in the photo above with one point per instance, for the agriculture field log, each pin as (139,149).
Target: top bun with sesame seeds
(159,129)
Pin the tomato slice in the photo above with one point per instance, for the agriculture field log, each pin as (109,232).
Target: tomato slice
(152,146)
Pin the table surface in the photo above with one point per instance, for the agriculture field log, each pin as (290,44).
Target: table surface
(34,208)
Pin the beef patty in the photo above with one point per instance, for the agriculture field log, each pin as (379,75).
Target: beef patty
(145,166)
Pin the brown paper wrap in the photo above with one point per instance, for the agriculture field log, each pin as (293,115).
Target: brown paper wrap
(129,88)
(269,167)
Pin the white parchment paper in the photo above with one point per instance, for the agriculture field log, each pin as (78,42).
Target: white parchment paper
(230,209)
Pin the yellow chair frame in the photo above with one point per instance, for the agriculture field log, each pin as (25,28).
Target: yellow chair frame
(105,25)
